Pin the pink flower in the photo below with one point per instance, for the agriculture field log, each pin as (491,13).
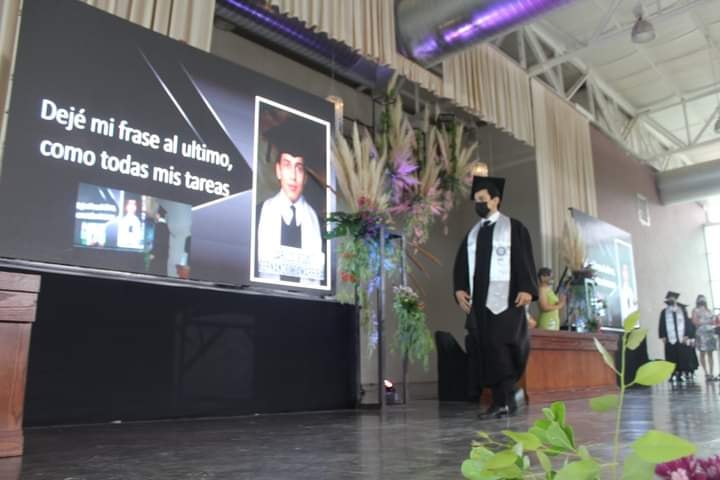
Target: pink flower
(690,468)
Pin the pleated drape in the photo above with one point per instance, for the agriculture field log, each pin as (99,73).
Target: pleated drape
(566,176)
(488,83)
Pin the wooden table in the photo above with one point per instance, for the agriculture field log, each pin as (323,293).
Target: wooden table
(566,365)
(18,300)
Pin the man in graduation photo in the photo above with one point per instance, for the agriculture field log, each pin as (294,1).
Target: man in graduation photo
(494,279)
(289,238)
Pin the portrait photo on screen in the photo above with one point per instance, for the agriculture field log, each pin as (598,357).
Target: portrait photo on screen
(291,199)
(627,288)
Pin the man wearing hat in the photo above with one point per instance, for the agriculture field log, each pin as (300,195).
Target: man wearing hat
(161,244)
(676,330)
(494,280)
(289,239)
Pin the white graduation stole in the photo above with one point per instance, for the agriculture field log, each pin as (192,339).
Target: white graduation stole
(499,288)
(670,326)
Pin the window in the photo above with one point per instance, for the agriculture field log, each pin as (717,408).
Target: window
(643,210)
(712,245)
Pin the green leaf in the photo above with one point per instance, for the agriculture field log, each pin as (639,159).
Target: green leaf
(604,403)
(544,461)
(653,373)
(558,409)
(543,423)
(474,470)
(580,470)
(635,468)
(540,433)
(636,337)
(549,414)
(501,460)
(631,321)
(483,435)
(518,449)
(606,356)
(513,471)
(661,447)
(584,454)
(570,434)
(481,454)
(529,441)
(526,463)
(558,438)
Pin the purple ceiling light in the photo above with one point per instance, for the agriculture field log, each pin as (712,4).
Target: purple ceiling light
(429,30)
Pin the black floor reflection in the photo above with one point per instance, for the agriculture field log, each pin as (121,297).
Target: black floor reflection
(425,440)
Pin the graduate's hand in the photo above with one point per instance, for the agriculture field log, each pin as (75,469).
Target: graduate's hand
(463,299)
(523,298)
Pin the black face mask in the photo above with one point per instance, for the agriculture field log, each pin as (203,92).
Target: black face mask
(482,209)
(670,302)
(702,303)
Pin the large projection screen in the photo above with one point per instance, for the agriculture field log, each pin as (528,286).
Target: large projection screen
(609,250)
(127,152)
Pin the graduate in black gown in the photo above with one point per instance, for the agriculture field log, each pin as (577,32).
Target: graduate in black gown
(493,290)
(676,330)
(161,244)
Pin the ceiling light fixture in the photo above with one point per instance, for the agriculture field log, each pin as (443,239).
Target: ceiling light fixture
(643,31)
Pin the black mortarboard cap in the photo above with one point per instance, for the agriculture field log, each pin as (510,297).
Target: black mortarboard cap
(482,183)
(672,295)
(299,137)
(161,211)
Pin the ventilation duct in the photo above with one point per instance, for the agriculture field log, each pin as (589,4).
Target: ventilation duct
(689,184)
(430,30)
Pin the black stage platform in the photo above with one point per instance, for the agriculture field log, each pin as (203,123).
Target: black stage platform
(105,350)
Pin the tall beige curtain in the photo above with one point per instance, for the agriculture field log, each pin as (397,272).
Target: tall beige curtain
(190,21)
(488,83)
(566,177)
(367,26)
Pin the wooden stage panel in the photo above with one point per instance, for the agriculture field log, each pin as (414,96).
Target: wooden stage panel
(18,300)
(566,365)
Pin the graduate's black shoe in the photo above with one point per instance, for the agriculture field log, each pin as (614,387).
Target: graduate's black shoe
(495,412)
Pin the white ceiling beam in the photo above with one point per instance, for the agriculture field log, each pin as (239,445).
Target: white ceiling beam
(670,102)
(687,123)
(655,125)
(659,17)
(607,114)
(629,128)
(542,57)
(605,21)
(690,148)
(522,48)
(577,86)
(600,83)
(710,121)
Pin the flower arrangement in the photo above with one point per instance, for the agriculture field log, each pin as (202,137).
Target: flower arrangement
(456,165)
(413,338)
(360,172)
(552,437)
(423,200)
(574,254)
(690,468)
(404,177)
